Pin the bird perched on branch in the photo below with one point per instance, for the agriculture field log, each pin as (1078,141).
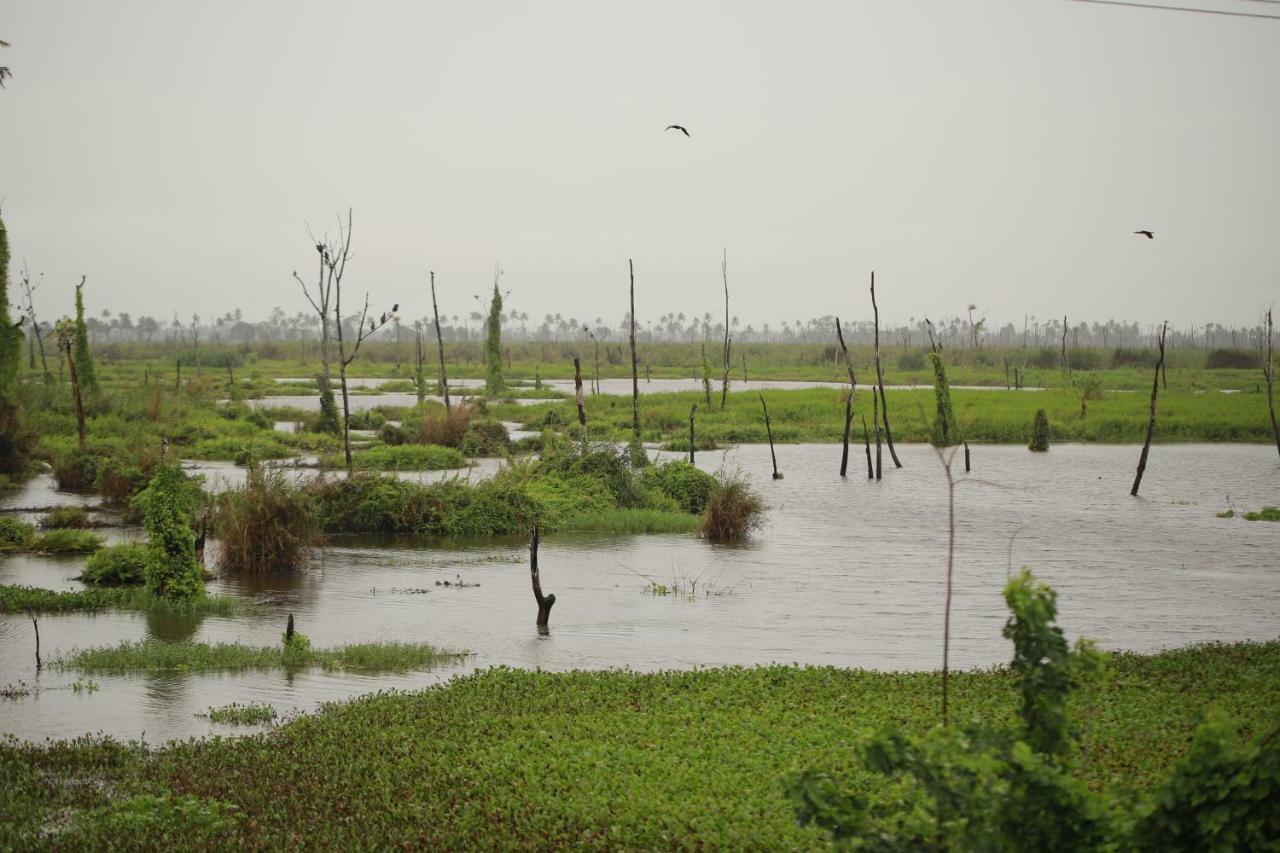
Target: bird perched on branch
(677,127)
(1146,234)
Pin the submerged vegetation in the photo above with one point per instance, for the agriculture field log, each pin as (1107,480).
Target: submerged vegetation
(235,714)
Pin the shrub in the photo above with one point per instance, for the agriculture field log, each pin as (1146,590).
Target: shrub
(1040,432)
(168,505)
(733,512)
(1132,357)
(67,542)
(117,565)
(403,457)
(1225,359)
(15,534)
(486,438)
(945,431)
(66,516)
(913,360)
(689,486)
(266,525)
(392,435)
(76,470)
(445,428)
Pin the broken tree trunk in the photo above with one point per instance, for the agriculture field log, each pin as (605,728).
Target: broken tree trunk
(884,405)
(966,457)
(876,414)
(444,378)
(35,624)
(1151,423)
(693,409)
(635,364)
(848,402)
(1269,369)
(577,392)
(545,602)
(768,427)
(867,446)
(724,384)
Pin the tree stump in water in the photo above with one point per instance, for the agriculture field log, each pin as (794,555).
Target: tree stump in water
(545,602)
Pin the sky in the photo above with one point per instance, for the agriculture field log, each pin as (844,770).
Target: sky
(995,152)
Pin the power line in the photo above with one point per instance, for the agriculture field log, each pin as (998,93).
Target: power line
(1184,8)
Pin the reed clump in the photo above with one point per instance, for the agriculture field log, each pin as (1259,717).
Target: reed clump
(267,525)
(733,512)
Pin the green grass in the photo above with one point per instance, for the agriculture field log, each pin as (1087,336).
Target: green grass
(632,521)
(401,457)
(514,759)
(186,656)
(1267,513)
(817,415)
(251,714)
(30,599)
(66,541)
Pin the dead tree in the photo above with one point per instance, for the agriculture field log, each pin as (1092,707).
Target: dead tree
(744,368)
(635,363)
(768,427)
(1151,423)
(692,411)
(1065,364)
(884,405)
(866,444)
(545,602)
(66,332)
(848,401)
(321,295)
(36,625)
(577,394)
(444,377)
(876,414)
(1268,370)
(28,290)
(724,273)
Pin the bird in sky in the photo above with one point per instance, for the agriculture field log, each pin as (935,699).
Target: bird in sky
(677,127)
(1146,234)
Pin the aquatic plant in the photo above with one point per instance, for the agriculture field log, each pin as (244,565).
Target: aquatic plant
(235,714)
(117,565)
(266,525)
(66,541)
(29,599)
(66,516)
(15,534)
(187,656)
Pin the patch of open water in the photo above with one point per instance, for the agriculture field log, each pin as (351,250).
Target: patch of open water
(846,571)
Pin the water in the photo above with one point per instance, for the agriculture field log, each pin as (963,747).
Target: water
(846,572)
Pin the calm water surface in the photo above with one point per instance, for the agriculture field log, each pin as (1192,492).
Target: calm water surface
(847,572)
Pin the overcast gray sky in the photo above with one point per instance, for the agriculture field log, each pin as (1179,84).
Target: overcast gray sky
(991,151)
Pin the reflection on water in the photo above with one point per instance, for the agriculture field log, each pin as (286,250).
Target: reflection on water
(846,572)
(172,627)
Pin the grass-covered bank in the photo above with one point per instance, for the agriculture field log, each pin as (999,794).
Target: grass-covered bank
(187,656)
(817,415)
(508,759)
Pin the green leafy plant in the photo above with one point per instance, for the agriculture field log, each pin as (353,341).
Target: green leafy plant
(945,432)
(494,382)
(117,565)
(172,571)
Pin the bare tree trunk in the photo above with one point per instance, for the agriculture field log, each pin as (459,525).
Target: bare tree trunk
(951,548)
(444,378)
(577,393)
(884,404)
(545,602)
(744,368)
(692,410)
(966,457)
(848,401)
(36,625)
(1151,423)
(866,444)
(635,364)
(769,430)
(75,390)
(876,415)
(1065,364)
(1269,369)
(724,384)
(346,411)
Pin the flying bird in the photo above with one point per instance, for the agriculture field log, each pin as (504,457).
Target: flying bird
(677,127)
(1146,234)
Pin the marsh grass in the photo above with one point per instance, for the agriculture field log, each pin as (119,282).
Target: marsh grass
(734,511)
(401,457)
(186,656)
(29,599)
(266,525)
(635,521)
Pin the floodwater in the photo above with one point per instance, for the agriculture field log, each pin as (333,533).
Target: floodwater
(846,571)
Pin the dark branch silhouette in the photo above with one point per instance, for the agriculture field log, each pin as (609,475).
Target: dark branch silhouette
(677,127)
(1146,234)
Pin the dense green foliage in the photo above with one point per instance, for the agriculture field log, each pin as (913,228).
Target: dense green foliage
(172,571)
(945,431)
(689,486)
(17,535)
(591,759)
(982,786)
(117,565)
(85,372)
(1039,432)
(235,714)
(66,516)
(156,656)
(10,336)
(401,457)
(494,381)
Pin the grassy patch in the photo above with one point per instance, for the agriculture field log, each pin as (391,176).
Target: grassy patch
(602,759)
(401,457)
(117,565)
(632,521)
(155,656)
(67,541)
(251,714)
(30,599)
(1267,513)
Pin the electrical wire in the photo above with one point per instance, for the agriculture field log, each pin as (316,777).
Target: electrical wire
(1184,8)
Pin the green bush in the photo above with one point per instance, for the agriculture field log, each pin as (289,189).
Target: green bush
(1040,432)
(117,565)
(689,486)
(1227,359)
(486,438)
(15,534)
(913,360)
(402,457)
(172,571)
